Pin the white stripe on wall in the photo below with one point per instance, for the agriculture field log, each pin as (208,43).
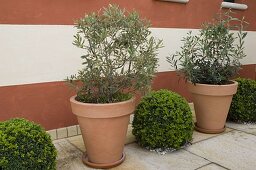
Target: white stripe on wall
(44,53)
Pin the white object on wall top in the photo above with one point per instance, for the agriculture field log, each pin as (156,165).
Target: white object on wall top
(179,1)
(231,5)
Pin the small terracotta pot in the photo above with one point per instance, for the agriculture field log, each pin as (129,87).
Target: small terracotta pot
(211,103)
(104,128)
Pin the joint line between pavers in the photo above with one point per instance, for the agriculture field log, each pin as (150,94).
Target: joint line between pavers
(203,165)
(214,136)
(244,132)
(75,146)
(198,155)
(221,165)
(210,164)
(206,159)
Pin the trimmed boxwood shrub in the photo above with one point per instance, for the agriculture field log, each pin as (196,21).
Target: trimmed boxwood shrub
(243,106)
(163,120)
(25,145)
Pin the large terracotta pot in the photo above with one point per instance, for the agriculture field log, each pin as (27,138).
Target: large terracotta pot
(211,103)
(103,127)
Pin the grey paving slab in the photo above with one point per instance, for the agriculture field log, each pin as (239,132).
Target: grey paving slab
(234,150)
(69,157)
(59,141)
(130,138)
(138,158)
(53,134)
(78,142)
(249,128)
(212,166)
(62,133)
(197,136)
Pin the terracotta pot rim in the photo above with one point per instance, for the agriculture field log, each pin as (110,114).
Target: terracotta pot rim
(213,90)
(209,131)
(72,99)
(234,83)
(104,165)
(107,110)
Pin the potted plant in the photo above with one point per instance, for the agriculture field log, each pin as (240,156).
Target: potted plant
(208,61)
(119,59)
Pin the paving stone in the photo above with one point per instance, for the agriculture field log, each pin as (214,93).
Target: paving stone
(59,141)
(197,136)
(130,138)
(62,133)
(138,158)
(249,128)
(191,105)
(78,142)
(141,159)
(69,157)
(53,134)
(72,130)
(194,119)
(65,149)
(233,150)
(211,166)
(78,130)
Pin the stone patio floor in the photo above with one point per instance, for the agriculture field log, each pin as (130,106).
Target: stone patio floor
(233,149)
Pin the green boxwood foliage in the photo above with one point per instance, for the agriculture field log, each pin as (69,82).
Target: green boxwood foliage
(243,106)
(163,120)
(24,145)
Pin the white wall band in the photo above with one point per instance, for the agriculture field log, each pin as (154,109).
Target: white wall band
(44,53)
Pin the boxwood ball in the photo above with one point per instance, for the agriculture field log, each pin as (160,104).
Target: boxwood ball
(243,106)
(25,145)
(163,120)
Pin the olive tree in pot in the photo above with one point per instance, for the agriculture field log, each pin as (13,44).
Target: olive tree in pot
(208,61)
(120,58)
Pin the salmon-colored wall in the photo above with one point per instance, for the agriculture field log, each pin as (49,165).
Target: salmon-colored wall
(161,14)
(48,103)
(248,71)
(44,103)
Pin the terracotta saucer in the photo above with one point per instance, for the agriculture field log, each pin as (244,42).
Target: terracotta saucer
(209,131)
(104,165)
